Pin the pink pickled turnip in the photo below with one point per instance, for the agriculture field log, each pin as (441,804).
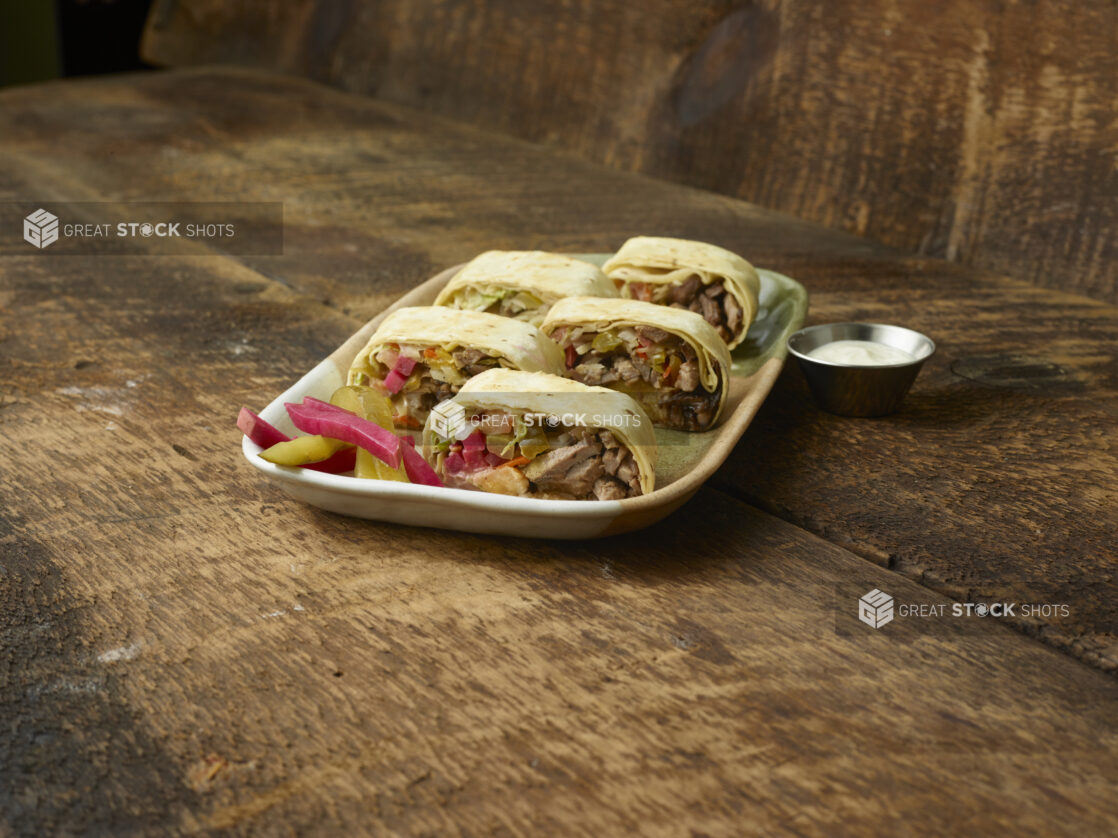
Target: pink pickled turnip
(473,449)
(454,463)
(262,433)
(341,462)
(266,435)
(399,374)
(317,417)
(394,382)
(417,468)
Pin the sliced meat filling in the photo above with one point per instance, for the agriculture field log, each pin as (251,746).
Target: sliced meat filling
(412,406)
(436,376)
(717,307)
(594,466)
(472,361)
(582,464)
(655,367)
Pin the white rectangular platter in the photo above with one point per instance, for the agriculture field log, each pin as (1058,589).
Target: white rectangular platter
(685,460)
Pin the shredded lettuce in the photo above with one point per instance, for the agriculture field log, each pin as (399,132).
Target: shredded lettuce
(513,302)
(531,439)
(518,435)
(472,298)
(534,442)
(605,341)
(520,301)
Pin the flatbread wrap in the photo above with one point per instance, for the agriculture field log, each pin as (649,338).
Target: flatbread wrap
(542,436)
(522,284)
(422,355)
(670,360)
(704,278)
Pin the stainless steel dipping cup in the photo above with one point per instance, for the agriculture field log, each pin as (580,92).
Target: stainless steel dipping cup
(860,390)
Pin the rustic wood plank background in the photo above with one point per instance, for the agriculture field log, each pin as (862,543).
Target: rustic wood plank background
(979,131)
(1019,474)
(186,649)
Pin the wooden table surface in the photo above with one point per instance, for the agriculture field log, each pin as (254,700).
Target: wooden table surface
(186,649)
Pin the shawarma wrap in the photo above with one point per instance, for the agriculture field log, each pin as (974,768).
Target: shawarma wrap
(422,355)
(670,360)
(699,277)
(543,436)
(522,284)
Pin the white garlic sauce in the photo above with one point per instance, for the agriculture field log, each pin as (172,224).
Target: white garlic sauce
(860,353)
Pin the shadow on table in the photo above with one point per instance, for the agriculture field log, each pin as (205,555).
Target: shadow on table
(700,535)
(940,399)
(71,728)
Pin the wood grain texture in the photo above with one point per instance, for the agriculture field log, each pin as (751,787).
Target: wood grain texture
(377,198)
(186,650)
(1010,441)
(975,130)
(191,652)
